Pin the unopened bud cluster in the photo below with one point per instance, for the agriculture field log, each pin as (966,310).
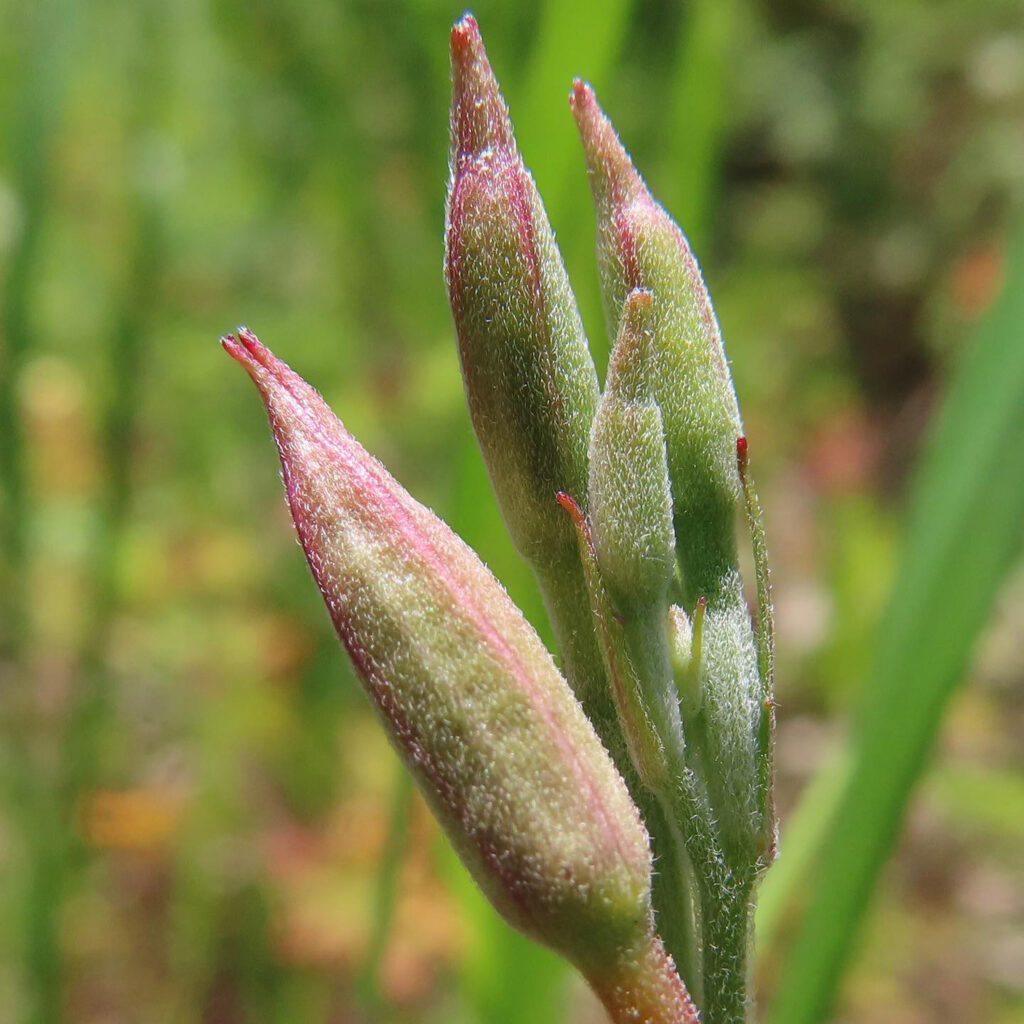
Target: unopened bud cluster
(625,503)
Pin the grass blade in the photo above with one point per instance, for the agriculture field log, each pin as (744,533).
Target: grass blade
(963,532)
(805,832)
(540,108)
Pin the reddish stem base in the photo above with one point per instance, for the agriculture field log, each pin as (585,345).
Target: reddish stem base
(645,989)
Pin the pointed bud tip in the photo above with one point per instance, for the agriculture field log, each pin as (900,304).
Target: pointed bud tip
(466,40)
(581,97)
(479,117)
(248,350)
(612,171)
(233,349)
(588,114)
(633,343)
(628,367)
(273,377)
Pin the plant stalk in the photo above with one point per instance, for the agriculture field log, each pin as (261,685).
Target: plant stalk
(645,988)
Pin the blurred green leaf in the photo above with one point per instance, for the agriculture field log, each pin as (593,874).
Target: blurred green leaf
(506,978)
(963,533)
(982,798)
(549,141)
(696,113)
(386,888)
(540,108)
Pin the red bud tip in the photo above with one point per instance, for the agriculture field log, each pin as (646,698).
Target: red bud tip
(611,170)
(741,455)
(248,350)
(479,117)
(265,369)
(571,506)
(639,301)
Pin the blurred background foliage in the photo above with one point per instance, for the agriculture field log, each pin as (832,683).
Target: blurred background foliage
(199,819)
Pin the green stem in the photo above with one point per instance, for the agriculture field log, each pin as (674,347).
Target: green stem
(646,646)
(673,891)
(725,901)
(636,662)
(728,916)
(572,616)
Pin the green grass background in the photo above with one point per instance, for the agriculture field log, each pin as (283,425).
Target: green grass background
(199,819)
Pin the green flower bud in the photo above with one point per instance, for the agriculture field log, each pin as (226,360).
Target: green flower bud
(467,692)
(530,380)
(686,638)
(639,246)
(630,497)
(629,687)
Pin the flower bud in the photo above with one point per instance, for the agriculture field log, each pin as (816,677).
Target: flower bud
(467,692)
(685,638)
(630,497)
(530,381)
(639,246)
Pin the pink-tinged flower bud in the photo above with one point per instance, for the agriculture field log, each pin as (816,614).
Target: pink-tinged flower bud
(530,380)
(466,691)
(529,377)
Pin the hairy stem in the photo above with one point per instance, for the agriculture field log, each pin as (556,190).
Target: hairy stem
(728,914)
(725,903)
(676,901)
